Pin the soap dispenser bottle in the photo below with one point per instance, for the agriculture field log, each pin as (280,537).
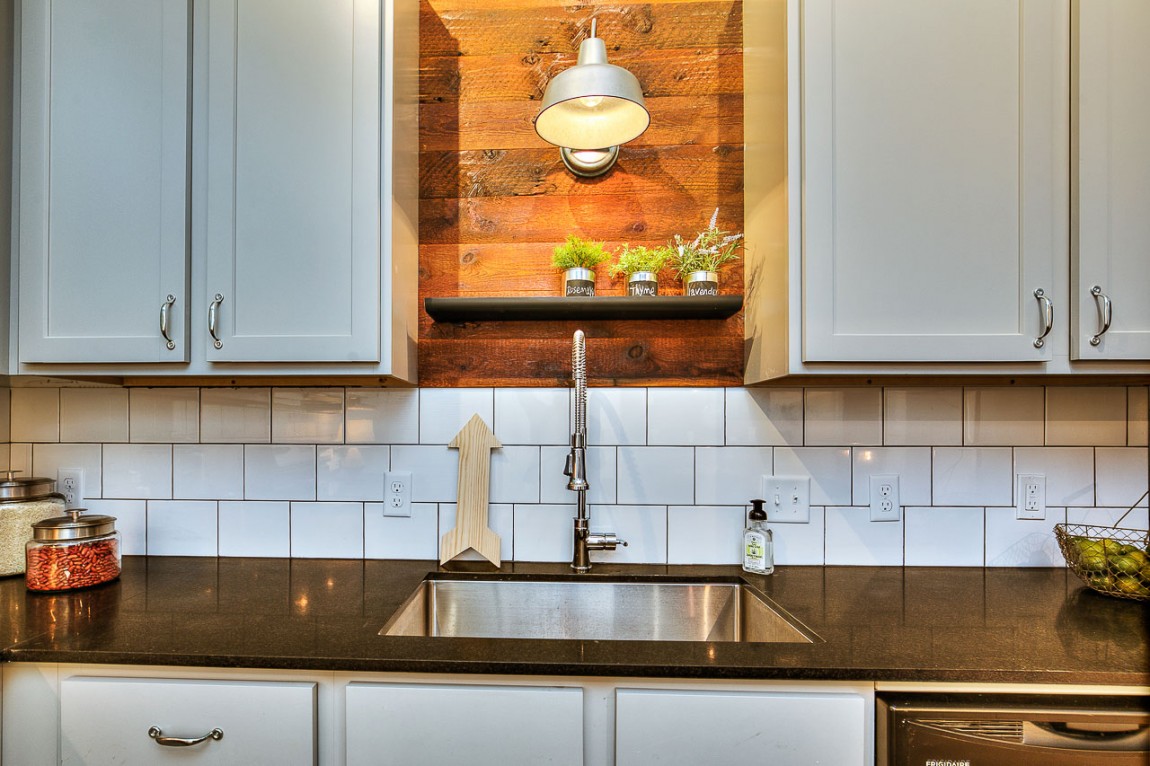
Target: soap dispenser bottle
(758,542)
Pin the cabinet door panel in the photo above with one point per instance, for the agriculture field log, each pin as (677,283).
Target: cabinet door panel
(785,729)
(102,205)
(1111,246)
(106,721)
(934,178)
(478,725)
(293,179)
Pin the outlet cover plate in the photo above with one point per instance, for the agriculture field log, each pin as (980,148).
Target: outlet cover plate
(70,484)
(885,504)
(788,499)
(1031,502)
(397,493)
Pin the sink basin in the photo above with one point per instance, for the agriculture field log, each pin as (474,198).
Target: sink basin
(589,609)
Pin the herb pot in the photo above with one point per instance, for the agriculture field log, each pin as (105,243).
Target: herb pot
(701,283)
(579,282)
(642,283)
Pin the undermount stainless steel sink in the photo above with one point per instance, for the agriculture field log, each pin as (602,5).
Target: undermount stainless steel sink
(591,609)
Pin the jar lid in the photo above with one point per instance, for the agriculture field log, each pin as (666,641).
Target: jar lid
(25,487)
(74,525)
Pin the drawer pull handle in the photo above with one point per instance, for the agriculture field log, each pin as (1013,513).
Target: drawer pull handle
(213,320)
(1047,315)
(1107,312)
(155,733)
(165,315)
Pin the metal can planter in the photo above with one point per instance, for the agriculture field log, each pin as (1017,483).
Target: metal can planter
(579,282)
(642,283)
(701,283)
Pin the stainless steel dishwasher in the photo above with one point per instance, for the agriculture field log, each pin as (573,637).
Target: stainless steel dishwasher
(1011,730)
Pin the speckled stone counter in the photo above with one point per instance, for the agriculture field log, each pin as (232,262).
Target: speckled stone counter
(878,624)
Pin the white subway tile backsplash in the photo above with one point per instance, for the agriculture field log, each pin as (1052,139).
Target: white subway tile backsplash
(48,459)
(601,465)
(236,415)
(5,415)
(706,534)
(20,460)
(500,520)
(5,457)
(138,471)
(1137,518)
(532,415)
(643,527)
(1120,476)
(515,475)
(972,476)
(35,415)
(444,411)
(1087,416)
(182,528)
(801,544)
(944,537)
(922,416)
(685,416)
(131,522)
(307,416)
(390,416)
(208,471)
(730,475)
(255,528)
(1069,473)
(94,414)
(911,464)
(1014,542)
(327,530)
(617,416)
(842,417)
(764,416)
(401,537)
(279,472)
(353,472)
(1138,415)
(157,415)
(852,539)
(543,532)
(434,471)
(656,475)
(828,467)
(1003,417)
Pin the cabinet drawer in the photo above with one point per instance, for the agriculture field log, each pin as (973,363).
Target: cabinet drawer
(107,721)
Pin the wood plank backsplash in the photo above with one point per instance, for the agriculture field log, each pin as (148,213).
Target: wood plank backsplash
(495,199)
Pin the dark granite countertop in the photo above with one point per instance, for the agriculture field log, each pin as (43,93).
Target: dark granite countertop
(878,624)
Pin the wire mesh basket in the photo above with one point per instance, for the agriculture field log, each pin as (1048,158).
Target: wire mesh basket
(1110,560)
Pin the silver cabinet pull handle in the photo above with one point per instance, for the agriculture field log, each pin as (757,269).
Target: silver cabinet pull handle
(155,733)
(1107,312)
(165,317)
(1048,315)
(213,319)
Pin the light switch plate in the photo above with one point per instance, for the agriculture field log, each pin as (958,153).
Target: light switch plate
(788,499)
(1031,497)
(885,504)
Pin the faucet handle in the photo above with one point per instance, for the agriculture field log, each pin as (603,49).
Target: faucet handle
(604,541)
(569,466)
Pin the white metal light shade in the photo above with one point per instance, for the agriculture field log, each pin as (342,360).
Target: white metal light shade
(592,105)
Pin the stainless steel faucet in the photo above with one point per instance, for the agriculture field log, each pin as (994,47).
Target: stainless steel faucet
(576,468)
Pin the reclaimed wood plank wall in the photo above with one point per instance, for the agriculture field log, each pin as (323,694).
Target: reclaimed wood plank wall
(495,199)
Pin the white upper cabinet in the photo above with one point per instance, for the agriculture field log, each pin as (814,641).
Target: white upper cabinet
(101,209)
(1110,247)
(291,182)
(935,163)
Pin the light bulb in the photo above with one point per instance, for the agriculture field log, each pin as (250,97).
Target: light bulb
(590,102)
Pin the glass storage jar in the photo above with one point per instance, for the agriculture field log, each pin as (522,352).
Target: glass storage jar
(73,551)
(23,502)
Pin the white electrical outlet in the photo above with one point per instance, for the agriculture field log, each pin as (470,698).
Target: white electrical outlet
(70,484)
(884,500)
(1031,502)
(397,493)
(788,499)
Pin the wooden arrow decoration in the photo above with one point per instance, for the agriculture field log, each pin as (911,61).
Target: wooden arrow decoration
(474,442)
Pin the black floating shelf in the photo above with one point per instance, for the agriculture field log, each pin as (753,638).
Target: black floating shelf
(557,308)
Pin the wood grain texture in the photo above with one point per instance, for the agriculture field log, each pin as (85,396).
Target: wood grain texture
(495,199)
(474,442)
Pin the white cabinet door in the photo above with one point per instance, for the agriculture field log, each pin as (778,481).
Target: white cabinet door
(413,724)
(291,189)
(780,729)
(1111,244)
(102,180)
(107,721)
(935,189)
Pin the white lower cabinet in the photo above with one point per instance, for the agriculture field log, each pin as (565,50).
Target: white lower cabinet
(475,724)
(681,726)
(157,721)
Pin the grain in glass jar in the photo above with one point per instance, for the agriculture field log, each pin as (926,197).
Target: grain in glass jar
(73,551)
(23,502)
